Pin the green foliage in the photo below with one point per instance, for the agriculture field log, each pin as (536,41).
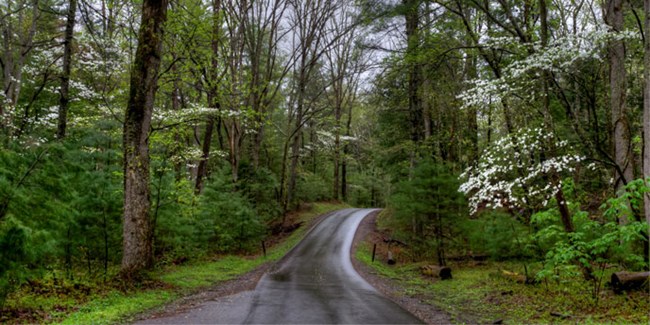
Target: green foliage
(103,304)
(175,211)
(227,220)
(595,243)
(479,294)
(260,186)
(14,257)
(367,189)
(312,187)
(428,209)
(495,233)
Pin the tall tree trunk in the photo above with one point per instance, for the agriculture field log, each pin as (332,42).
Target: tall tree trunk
(138,249)
(337,147)
(202,169)
(234,126)
(65,76)
(414,74)
(617,85)
(646,119)
(14,59)
(295,147)
(346,151)
(543,14)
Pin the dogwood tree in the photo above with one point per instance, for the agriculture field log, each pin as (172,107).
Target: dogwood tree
(521,172)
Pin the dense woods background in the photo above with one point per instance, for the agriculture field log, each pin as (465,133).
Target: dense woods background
(134,133)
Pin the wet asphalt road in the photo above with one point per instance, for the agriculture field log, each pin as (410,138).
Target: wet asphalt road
(314,283)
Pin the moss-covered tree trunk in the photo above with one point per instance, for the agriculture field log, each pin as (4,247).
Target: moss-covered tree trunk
(137,246)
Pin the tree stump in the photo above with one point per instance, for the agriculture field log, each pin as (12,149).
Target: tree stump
(437,271)
(624,281)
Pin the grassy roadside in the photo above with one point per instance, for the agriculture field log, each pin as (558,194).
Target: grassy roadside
(97,305)
(478,294)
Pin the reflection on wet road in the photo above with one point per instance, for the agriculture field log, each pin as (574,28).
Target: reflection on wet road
(316,283)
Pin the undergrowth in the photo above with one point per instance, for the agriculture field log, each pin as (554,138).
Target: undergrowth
(53,300)
(478,293)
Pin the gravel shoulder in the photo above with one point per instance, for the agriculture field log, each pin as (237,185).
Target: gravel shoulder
(427,313)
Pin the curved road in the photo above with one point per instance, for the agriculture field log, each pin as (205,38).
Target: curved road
(314,283)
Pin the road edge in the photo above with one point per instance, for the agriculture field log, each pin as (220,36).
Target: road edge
(427,313)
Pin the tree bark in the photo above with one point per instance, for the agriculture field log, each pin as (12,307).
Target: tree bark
(344,162)
(337,147)
(137,246)
(618,86)
(646,119)
(65,76)
(202,169)
(565,215)
(414,75)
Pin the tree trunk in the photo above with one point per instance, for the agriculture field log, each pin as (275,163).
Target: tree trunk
(414,79)
(65,76)
(295,153)
(138,249)
(337,145)
(565,215)
(14,60)
(202,169)
(646,120)
(618,86)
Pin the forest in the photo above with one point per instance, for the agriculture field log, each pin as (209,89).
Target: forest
(136,134)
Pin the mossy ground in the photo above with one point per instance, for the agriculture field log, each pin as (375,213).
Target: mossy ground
(56,301)
(479,294)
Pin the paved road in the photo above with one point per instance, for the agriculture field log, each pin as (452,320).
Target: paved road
(313,283)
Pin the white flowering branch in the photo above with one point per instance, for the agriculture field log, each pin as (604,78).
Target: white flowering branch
(518,171)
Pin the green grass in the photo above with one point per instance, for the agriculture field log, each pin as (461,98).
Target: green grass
(202,274)
(106,304)
(480,294)
(115,306)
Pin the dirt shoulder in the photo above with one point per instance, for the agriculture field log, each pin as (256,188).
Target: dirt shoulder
(367,233)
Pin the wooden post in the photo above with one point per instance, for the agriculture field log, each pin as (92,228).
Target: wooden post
(264,248)
(374,249)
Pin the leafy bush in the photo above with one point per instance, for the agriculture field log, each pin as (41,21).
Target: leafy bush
(595,243)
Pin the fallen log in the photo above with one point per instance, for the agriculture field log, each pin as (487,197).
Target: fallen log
(437,271)
(625,281)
